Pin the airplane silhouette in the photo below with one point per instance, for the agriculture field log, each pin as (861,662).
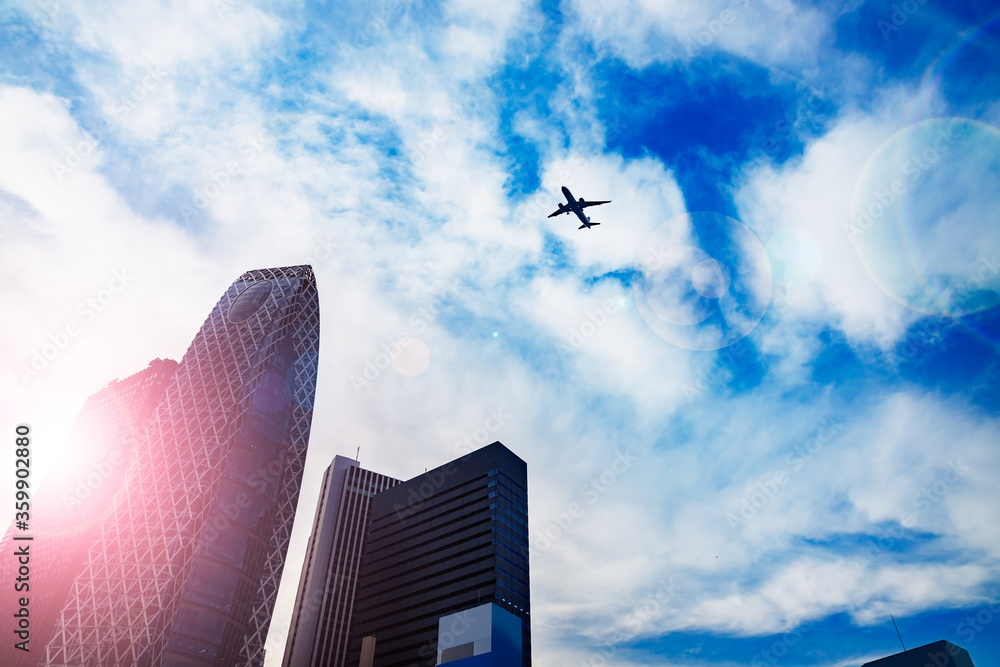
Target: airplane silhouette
(577,206)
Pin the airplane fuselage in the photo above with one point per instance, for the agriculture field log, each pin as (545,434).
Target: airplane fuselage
(574,206)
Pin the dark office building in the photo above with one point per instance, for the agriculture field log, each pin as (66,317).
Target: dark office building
(938,654)
(449,540)
(70,504)
(184,568)
(321,621)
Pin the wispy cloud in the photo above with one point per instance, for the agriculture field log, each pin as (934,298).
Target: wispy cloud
(411,153)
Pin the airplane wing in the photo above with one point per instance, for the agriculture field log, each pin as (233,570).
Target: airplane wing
(594,203)
(563,209)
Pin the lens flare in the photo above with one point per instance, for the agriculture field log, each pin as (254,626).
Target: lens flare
(412,356)
(925,216)
(272,393)
(796,257)
(702,281)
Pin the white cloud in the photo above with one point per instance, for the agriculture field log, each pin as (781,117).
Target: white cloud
(641,32)
(149,32)
(827,537)
(813,194)
(476,34)
(86,269)
(388,174)
(643,196)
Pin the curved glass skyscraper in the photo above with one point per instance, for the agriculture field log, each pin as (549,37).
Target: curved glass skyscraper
(185,568)
(67,510)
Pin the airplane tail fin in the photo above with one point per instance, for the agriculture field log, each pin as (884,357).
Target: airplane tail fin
(589,225)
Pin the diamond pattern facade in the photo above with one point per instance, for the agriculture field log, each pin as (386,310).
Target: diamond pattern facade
(67,509)
(185,568)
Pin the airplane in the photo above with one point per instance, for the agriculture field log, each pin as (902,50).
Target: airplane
(577,206)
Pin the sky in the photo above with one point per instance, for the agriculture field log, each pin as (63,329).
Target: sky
(758,404)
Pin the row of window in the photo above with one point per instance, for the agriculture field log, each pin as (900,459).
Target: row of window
(200,624)
(510,484)
(514,577)
(510,509)
(505,520)
(509,560)
(513,538)
(501,584)
(187,646)
(516,552)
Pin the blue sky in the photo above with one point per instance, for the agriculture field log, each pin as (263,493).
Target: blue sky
(786,324)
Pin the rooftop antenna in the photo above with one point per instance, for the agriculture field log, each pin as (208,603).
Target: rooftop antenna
(358,454)
(897,632)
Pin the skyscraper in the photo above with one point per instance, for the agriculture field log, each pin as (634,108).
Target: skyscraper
(321,623)
(449,540)
(184,570)
(484,636)
(68,507)
(938,654)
